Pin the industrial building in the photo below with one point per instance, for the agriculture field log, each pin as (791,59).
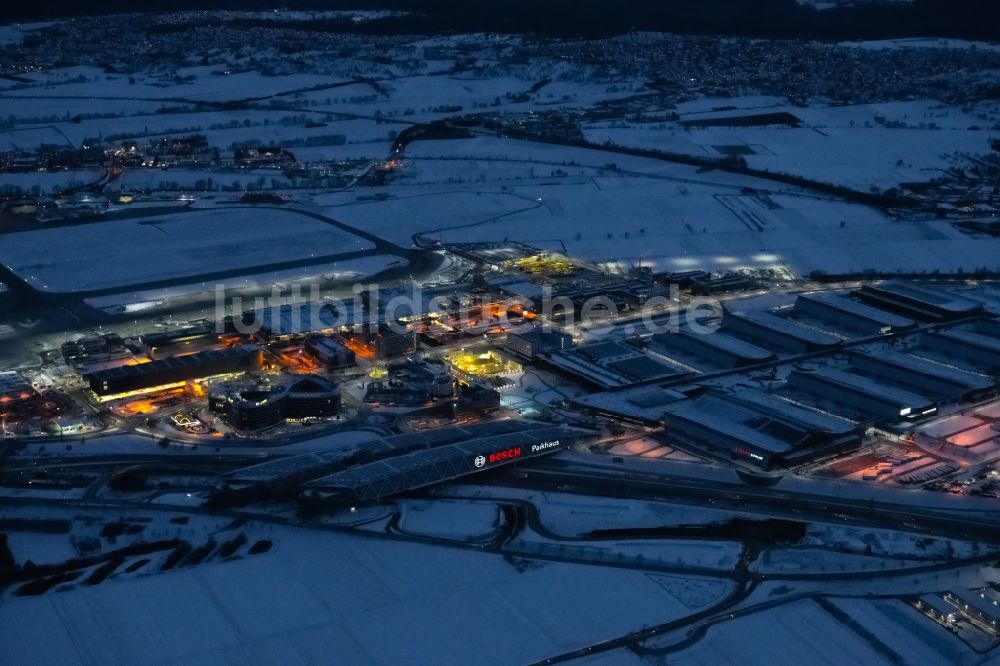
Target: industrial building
(936,607)
(913,301)
(772,331)
(537,341)
(471,366)
(175,370)
(756,428)
(312,396)
(293,321)
(378,480)
(475,401)
(842,310)
(94,349)
(613,364)
(980,607)
(253,408)
(388,343)
(717,348)
(329,351)
(941,381)
(982,350)
(14,388)
(258,407)
(709,286)
(179,340)
(862,394)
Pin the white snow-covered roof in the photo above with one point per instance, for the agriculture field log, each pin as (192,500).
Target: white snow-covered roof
(925,366)
(852,307)
(869,387)
(782,326)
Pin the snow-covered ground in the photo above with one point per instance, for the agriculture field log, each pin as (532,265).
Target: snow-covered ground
(132,444)
(665,216)
(348,269)
(449,520)
(124,252)
(314,596)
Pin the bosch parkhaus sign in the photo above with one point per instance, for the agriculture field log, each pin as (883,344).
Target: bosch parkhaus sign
(513,453)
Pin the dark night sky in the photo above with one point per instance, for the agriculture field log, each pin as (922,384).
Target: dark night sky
(976,19)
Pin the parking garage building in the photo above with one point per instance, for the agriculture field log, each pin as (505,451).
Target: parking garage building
(392,476)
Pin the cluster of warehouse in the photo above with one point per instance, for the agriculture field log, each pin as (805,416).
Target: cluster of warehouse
(780,387)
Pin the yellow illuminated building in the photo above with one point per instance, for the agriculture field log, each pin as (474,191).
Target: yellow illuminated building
(545,263)
(485,364)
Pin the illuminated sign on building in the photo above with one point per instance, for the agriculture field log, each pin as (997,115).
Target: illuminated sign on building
(746,453)
(506,454)
(544,445)
(513,453)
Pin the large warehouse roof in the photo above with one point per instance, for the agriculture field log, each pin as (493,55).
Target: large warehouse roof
(173,362)
(979,340)
(924,366)
(851,307)
(729,344)
(869,387)
(782,326)
(923,303)
(738,422)
(938,298)
(799,414)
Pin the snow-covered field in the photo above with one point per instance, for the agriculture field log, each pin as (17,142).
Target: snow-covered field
(449,520)
(124,252)
(666,216)
(860,146)
(320,596)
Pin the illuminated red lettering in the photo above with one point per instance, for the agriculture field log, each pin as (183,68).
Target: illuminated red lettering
(507,454)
